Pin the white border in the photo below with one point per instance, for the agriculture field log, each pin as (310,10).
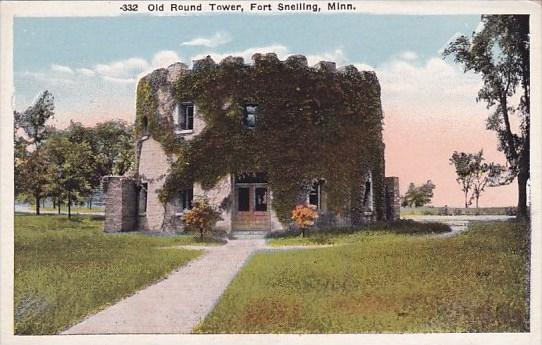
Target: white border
(11,9)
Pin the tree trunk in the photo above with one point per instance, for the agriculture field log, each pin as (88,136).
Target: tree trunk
(466,200)
(522,212)
(58,205)
(201,233)
(69,206)
(37,205)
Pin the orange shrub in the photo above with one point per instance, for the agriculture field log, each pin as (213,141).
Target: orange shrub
(304,216)
(202,217)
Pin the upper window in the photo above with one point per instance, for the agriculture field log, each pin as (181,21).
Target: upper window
(249,119)
(184,116)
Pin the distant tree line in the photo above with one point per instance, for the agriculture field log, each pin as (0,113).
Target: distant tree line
(66,165)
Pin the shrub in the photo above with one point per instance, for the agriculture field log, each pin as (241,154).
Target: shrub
(304,216)
(202,217)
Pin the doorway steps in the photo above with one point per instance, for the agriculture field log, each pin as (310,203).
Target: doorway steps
(247,234)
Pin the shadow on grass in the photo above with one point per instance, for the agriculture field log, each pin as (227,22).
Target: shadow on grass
(403,226)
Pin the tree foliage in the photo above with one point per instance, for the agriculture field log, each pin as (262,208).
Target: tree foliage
(475,174)
(499,52)
(30,161)
(417,196)
(66,164)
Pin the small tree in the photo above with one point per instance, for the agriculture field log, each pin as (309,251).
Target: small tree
(418,196)
(304,216)
(202,217)
(463,168)
(475,174)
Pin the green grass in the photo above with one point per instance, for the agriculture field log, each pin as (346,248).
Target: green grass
(336,236)
(383,282)
(68,269)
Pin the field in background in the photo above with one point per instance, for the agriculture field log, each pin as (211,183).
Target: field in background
(382,282)
(68,269)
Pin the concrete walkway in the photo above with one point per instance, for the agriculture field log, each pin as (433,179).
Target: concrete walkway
(178,303)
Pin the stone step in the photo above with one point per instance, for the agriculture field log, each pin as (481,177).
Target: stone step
(248,234)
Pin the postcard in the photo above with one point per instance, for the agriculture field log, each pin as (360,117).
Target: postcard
(271,171)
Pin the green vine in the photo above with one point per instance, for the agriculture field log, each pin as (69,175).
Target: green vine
(311,123)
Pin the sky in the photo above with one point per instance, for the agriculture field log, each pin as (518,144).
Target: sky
(91,65)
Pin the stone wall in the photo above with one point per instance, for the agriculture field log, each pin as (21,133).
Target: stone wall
(120,206)
(153,166)
(393,199)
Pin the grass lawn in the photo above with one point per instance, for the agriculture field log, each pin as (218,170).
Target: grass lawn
(68,269)
(384,282)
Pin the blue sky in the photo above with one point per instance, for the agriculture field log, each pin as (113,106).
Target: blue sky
(92,65)
(371,39)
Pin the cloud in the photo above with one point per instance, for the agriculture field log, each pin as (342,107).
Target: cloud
(122,70)
(165,58)
(61,69)
(408,55)
(86,72)
(216,40)
(336,56)
(364,67)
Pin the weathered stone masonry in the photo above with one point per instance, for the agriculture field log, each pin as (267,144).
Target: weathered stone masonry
(378,195)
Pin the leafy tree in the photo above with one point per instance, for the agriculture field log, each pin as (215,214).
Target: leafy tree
(31,179)
(112,144)
(418,196)
(463,169)
(70,168)
(30,133)
(499,52)
(202,217)
(115,147)
(475,174)
(33,121)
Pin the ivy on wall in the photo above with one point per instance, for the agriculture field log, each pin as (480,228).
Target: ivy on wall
(311,123)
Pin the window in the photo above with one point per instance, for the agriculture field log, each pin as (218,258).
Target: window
(260,197)
(184,116)
(249,119)
(367,194)
(142,206)
(184,200)
(243,199)
(314,194)
(145,125)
